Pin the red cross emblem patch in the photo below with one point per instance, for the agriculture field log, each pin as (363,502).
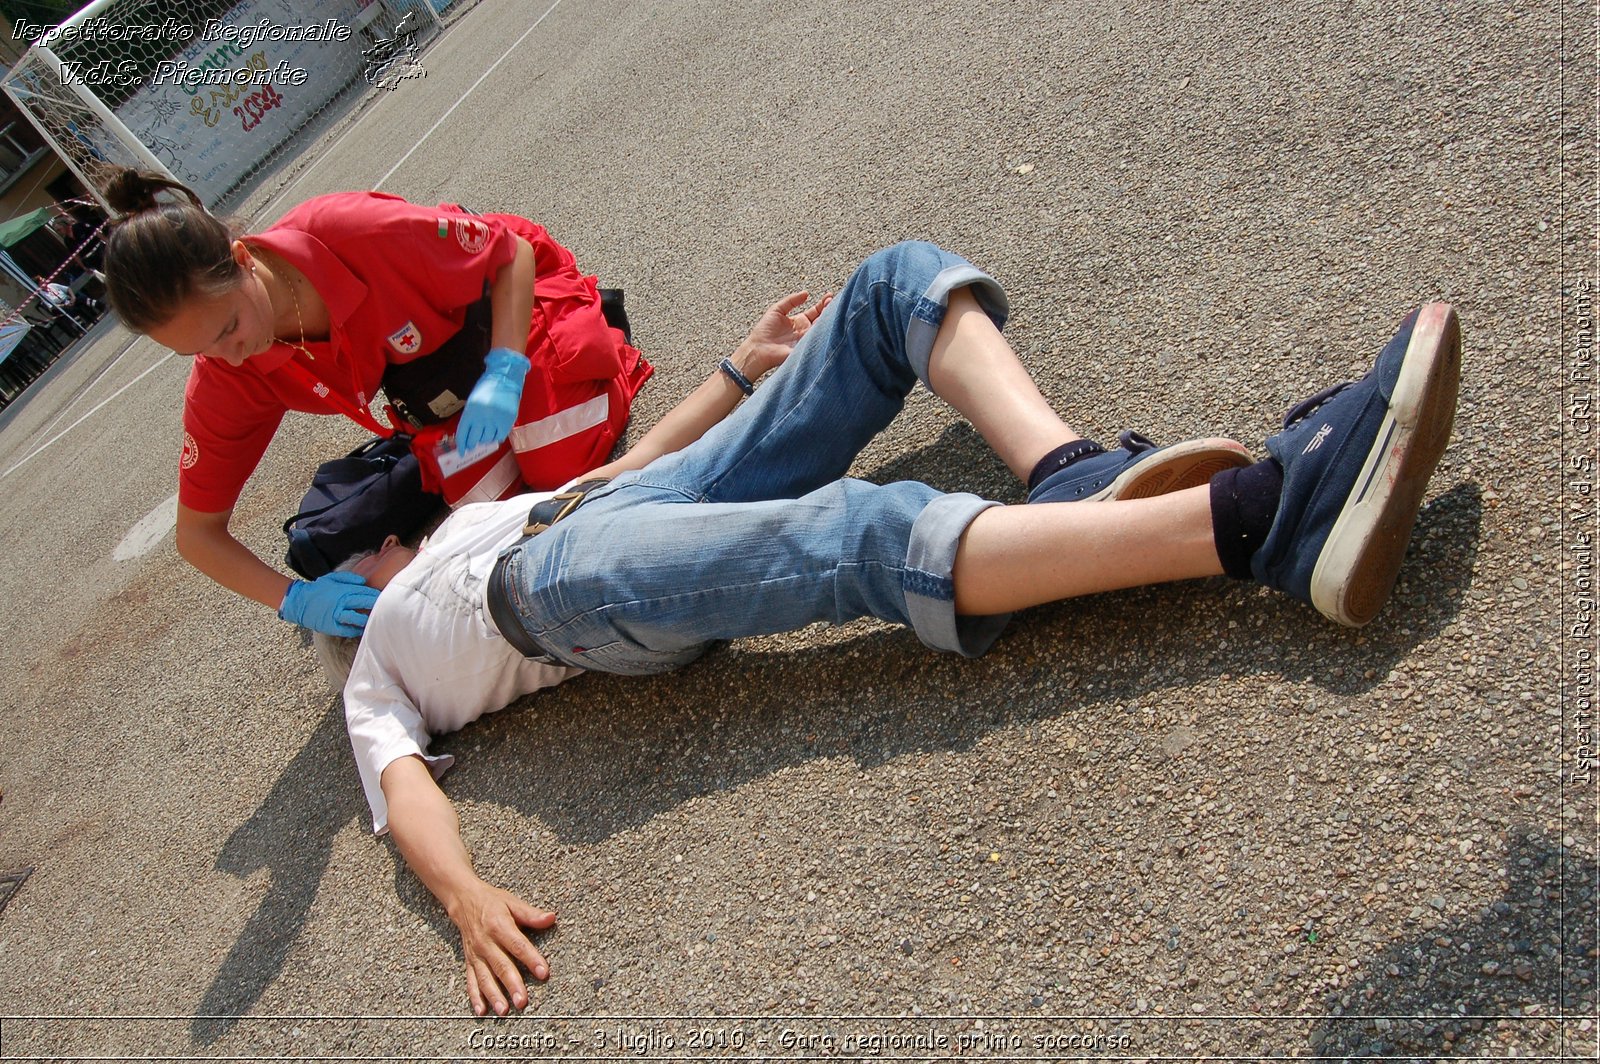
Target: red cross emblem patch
(407,339)
(472,235)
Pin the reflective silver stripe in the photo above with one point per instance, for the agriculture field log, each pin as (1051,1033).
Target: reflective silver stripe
(561,424)
(494,483)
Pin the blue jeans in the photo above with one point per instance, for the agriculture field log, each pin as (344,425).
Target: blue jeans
(750,530)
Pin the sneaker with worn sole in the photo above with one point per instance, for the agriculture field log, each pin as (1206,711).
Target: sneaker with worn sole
(1356,461)
(1139,469)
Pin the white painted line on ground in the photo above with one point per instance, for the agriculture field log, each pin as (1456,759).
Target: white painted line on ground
(150,530)
(330,151)
(463,99)
(90,413)
(266,210)
(84,394)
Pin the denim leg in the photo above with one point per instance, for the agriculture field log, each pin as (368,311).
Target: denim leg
(750,531)
(642,581)
(844,382)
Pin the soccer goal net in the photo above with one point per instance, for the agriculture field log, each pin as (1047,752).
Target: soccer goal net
(209,91)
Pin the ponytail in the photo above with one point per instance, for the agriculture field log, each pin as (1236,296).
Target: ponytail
(162,251)
(132,191)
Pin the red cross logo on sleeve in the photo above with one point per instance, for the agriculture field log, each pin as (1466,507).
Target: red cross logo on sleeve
(407,340)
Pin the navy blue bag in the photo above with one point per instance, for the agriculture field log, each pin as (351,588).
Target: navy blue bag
(355,501)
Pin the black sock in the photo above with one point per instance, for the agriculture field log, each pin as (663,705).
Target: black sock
(1060,458)
(1243,504)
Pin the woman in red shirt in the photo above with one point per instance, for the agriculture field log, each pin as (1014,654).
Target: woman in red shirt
(337,292)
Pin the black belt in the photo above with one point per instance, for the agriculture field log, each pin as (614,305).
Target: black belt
(543,514)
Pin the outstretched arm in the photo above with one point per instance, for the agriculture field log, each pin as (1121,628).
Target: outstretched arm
(779,328)
(491,920)
(422,820)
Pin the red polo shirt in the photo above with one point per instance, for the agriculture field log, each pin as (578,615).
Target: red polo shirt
(397,279)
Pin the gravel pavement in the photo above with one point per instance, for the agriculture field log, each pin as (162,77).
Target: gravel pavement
(1193,821)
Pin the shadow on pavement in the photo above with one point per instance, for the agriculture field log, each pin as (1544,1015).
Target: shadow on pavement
(1438,993)
(291,836)
(631,748)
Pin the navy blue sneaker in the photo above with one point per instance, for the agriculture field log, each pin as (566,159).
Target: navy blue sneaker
(1356,461)
(1139,469)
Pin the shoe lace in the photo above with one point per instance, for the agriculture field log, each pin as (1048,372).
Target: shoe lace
(1132,442)
(1308,406)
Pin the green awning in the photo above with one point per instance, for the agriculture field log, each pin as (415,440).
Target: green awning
(16,229)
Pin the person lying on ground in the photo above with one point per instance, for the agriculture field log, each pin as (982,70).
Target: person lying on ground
(717,527)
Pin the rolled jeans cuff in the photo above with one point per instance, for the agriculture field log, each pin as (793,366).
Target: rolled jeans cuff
(929,581)
(928,314)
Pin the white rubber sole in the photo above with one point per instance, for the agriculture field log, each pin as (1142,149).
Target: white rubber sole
(1358,565)
(1182,465)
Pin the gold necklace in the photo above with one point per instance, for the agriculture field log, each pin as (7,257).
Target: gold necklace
(294,300)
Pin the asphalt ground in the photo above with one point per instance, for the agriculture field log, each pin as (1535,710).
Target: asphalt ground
(1185,822)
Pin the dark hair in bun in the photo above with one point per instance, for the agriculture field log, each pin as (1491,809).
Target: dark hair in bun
(163,249)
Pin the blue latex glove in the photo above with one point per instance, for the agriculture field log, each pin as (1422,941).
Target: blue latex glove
(492,406)
(334,603)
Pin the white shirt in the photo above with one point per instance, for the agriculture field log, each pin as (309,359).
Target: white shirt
(430,659)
